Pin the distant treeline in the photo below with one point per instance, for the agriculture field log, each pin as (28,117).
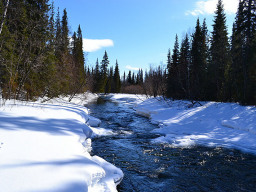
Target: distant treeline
(38,58)
(206,66)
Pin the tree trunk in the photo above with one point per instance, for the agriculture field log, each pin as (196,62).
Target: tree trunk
(4,15)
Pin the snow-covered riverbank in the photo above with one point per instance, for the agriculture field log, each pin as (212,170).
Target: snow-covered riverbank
(212,124)
(45,147)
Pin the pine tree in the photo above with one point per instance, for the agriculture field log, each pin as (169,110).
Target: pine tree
(197,70)
(124,78)
(219,53)
(242,71)
(64,33)
(58,36)
(96,78)
(104,72)
(235,73)
(169,60)
(52,29)
(80,55)
(183,72)
(141,76)
(74,45)
(172,71)
(117,81)
(133,79)
(109,83)
(129,78)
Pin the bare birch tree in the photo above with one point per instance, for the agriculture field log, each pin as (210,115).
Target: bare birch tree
(4,15)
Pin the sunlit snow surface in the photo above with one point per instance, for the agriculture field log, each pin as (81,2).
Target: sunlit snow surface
(210,124)
(45,147)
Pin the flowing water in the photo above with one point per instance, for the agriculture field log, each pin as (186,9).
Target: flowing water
(160,167)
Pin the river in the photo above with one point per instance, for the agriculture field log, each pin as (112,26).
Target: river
(160,167)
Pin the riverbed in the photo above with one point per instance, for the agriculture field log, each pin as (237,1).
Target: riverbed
(149,167)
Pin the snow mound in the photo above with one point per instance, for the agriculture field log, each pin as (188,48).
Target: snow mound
(93,122)
(128,98)
(244,120)
(45,147)
(204,123)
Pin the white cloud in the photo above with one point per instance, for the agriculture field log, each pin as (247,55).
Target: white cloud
(92,45)
(132,68)
(209,6)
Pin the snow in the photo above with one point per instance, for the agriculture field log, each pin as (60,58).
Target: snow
(128,98)
(213,124)
(45,147)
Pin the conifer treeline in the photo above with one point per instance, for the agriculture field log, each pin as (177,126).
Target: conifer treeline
(102,79)
(36,57)
(212,67)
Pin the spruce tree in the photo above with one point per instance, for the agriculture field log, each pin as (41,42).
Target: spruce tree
(172,70)
(133,79)
(183,72)
(104,72)
(117,81)
(129,78)
(80,55)
(52,29)
(96,78)
(219,53)
(58,36)
(109,83)
(242,71)
(197,70)
(235,73)
(74,45)
(64,33)
(124,78)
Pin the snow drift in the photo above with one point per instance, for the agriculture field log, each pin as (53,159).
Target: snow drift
(45,147)
(211,123)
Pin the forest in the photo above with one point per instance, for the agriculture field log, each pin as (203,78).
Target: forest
(40,56)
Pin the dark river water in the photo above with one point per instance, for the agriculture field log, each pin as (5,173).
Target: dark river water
(160,167)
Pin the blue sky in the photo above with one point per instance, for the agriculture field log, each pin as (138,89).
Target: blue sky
(138,33)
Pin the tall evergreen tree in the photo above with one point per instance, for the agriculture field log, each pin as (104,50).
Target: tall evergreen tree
(235,73)
(220,50)
(78,56)
(117,81)
(124,78)
(97,78)
(104,72)
(197,69)
(242,71)
(183,72)
(172,70)
(58,36)
(129,78)
(133,79)
(64,33)
(109,83)
(52,29)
